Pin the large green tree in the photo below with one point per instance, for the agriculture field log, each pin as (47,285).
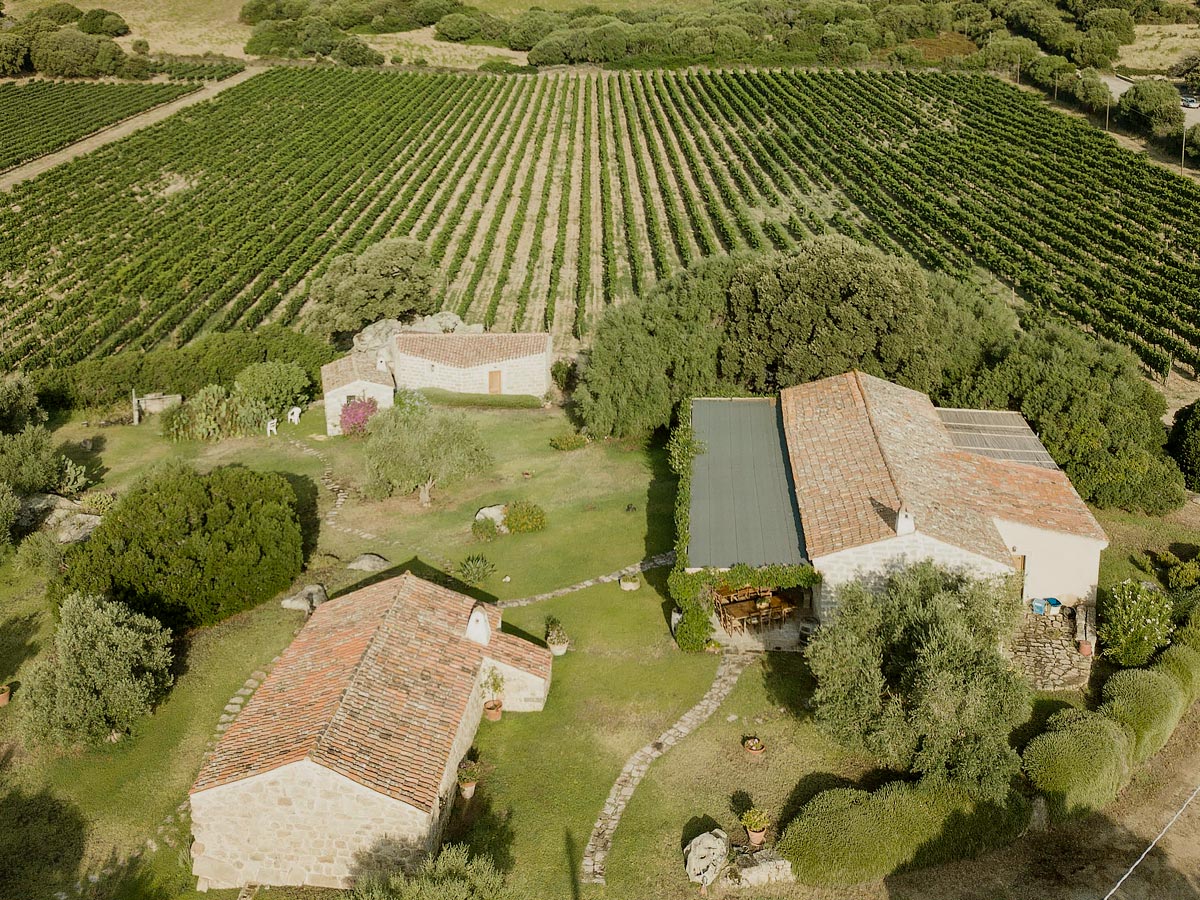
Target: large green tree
(390,280)
(913,675)
(1184,443)
(192,549)
(1152,105)
(107,668)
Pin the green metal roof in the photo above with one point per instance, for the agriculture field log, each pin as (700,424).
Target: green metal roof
(743,502)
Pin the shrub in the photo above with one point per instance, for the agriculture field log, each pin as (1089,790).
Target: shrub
(523,517)
(14,53)
(1149,704)
(484,530)
(72,479)
(140,46)
(192,549)
(59,13)
(846,836)
(568,440)
(1135,620)
(28,461)
(1079,763)
(694,628)
(41,555)
(356,415)
(107,668)
(101,21)
(278,386)
(458,27)
(19,404)
(454,873)
(754,819)
(1182,663)
(475,569)
(416,451)
(353,52)
(555,633)
(10,506)
(1184,443)
(97,503)
(564,372)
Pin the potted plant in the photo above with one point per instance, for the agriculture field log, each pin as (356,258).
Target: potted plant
(493,686)
(469,771)
(630,582)
(556,636)
(755,822)
(5,693)
(754,745)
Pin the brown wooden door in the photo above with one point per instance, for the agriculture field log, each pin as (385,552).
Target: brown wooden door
(494,382)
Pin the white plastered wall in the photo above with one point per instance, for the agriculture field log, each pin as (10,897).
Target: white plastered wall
(526,375)
(1066,566)
(336,399)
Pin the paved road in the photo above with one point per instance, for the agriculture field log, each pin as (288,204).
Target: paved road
(1118,86)
(121,129)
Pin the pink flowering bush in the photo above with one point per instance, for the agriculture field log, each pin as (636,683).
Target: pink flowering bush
(356,414)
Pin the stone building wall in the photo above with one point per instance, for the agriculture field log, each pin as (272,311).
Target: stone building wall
(336,399)
(875,562)
(300,824)
(523,691)
(526,375)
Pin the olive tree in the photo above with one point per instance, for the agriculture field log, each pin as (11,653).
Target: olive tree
(1152,106)
(107,668)
(415,449)
(276,385)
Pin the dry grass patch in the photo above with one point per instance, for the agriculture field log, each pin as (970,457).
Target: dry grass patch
(1160,46)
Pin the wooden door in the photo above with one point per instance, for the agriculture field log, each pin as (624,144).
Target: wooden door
(494,382)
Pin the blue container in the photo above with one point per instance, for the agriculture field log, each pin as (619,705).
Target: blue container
(1052,604)
(1039,607)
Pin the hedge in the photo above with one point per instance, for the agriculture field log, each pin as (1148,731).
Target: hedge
(846,836)
(482,401)
(1150,704)
(1181,662)
(1080,763)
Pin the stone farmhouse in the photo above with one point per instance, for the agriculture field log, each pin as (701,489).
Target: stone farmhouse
(462,362)
(861,477)
(351,745)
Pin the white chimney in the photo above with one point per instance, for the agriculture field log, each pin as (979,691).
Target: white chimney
(906,522)
(479,629)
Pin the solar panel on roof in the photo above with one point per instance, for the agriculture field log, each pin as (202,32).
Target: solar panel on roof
(996,434)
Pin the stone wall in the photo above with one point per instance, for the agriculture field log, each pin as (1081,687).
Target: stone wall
(300,824)
(336,399)
(527,375)
(874,562)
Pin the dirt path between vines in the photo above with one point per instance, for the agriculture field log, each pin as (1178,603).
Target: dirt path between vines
(121,129)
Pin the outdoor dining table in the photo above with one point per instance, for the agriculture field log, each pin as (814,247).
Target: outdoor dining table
(742,613)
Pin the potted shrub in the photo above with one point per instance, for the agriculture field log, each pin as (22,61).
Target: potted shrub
(631,582)
(5,693)
(493,686)
(754,745)
(755,822)
(556,636)
(469,771)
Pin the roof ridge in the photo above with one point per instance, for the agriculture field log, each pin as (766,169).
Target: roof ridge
(887,463)
(376,637)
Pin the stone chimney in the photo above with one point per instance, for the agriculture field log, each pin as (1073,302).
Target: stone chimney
(906,522)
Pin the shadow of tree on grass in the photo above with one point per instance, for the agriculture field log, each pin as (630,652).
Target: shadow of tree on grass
(42,840)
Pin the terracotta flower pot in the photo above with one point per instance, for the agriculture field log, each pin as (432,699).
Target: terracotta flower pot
(492,709)
(757,837)
(5,693)
(754,750)
(467,789)
(558,649)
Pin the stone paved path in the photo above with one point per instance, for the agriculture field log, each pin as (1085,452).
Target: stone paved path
(596,852)
(121,129)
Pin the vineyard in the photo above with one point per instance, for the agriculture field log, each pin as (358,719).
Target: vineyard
(545,199)
(39,117)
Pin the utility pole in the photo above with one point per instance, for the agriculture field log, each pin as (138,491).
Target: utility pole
(1182,146)
(1055,87)
(1107,105)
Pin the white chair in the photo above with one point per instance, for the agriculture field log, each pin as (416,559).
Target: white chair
(294,415)
(272,427)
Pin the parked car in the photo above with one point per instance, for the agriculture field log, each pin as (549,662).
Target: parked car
(1190,103)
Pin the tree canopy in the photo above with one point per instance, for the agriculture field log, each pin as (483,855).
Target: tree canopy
(392,279)
(412,448)
(913,675)
(192,549)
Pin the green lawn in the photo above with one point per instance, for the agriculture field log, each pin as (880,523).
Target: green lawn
(607,505)
(621,685)
(1131,535)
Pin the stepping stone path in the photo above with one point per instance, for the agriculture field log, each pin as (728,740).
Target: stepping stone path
(1044,649)
(596,852)
(654,562)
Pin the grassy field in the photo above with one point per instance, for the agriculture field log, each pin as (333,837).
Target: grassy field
(1131,535)
(1160,46)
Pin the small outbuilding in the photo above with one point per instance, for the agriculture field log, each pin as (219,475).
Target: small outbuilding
(348,751)
(487,363)
(356,376)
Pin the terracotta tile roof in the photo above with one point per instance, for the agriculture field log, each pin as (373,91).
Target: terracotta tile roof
(860,447)
(351,368)
(373,687)
(462,351)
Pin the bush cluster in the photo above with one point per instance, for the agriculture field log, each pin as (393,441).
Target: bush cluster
(1135,620)
(524,517)
(568,440)
(214,414)
(484,530)
(846,836)
(356,416)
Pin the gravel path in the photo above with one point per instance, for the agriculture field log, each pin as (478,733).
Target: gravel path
(596,852)
(121,129)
